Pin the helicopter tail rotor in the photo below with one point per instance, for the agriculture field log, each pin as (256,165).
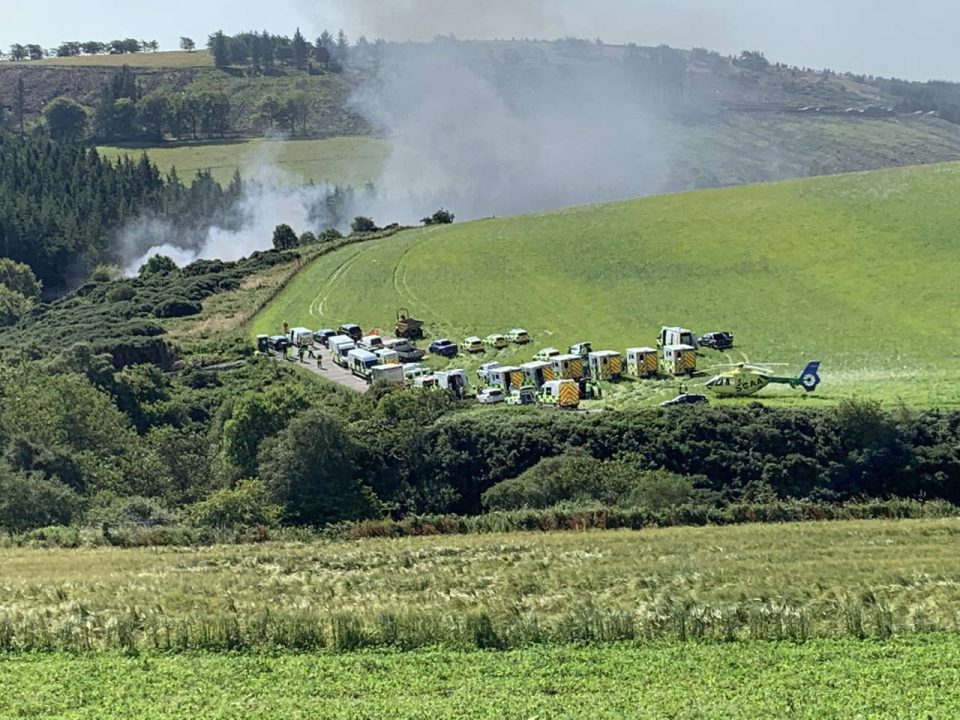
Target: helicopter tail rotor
(810,377)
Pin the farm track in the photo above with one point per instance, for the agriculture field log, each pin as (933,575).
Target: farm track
(330,371)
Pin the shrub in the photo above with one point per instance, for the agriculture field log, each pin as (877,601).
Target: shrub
(177,307)
(157,265)
(30,501)
(247,505)
(363,224)
(440,217)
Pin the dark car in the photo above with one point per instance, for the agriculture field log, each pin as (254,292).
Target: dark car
(322,336)
(352,330)
(685,399)
(280,342)
(717,340)
(443,347)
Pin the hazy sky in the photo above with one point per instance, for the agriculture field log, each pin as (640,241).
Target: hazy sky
(881,37)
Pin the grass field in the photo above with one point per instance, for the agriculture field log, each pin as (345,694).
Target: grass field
(853,270)
(859,579)
(905,678)
(170,59)
(352,161)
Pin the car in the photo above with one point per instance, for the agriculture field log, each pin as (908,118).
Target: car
(546,355)
(351,330)
(717,340)
(472,344)
(519,336)
(685,399)
(527,395)
(371,343)
(405,349)
(322,336)
(443,347)
(490,396)
(496,341)
(280,342)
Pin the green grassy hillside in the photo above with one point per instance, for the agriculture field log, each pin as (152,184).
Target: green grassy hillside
(858,271)
(344,160)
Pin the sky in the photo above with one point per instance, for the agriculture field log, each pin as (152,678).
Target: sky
(880,37)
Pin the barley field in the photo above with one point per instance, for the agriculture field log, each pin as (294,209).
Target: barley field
(858,579)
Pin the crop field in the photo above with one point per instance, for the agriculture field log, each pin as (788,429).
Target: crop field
(903,678)
(851,579)
(158,60)
(854,270)
(840,619)
(352,161)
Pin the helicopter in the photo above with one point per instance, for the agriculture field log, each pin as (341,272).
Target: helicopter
(745,379)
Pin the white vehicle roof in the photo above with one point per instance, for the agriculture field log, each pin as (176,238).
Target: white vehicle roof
(641,351)
(363,355)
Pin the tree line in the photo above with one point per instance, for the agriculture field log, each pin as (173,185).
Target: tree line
(61,203)
(75,48)
(262,53)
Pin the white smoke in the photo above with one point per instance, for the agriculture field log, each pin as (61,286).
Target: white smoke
(488,129)
(270,197)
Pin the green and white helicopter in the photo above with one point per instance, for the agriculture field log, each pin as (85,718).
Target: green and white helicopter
(742,379)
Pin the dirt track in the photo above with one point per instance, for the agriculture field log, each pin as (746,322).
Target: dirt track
(330,371)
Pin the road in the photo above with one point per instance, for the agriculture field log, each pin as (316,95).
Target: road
(330,371)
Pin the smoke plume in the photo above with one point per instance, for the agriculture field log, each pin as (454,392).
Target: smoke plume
(490,129)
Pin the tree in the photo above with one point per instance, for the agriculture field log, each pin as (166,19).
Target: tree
(267,51)
(300,50)
(18,52)
(68,49)
(284,238)
(65,118)
(154,113)
(440,217)
(296,109)
(20,104)
(244,506)
(31,501)
(93,47)
(343,45)
(214,113)
(254,417)
(362,224)
(311,469)
(157,265)
(752,60)
(13,306)
(217,43)
(19,278)
(187,44)
(124,118)
(35,52)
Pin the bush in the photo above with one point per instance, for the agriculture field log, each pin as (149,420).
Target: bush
(177,307)
(362,224)
(157,265)
(29,501)
(244,506)
(440,217)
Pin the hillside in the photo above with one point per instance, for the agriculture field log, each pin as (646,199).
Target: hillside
(852,270)
(719,121)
